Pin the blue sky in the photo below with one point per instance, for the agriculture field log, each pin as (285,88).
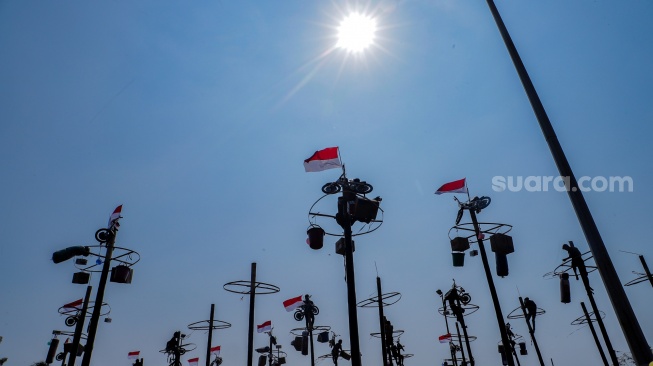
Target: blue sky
(197,117)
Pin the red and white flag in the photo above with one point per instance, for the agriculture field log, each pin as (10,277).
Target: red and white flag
(133,355)
(457,186)
(74,305)
(294,303)
(215,350)
(322,160)
(445,338)
(193,361)
(115,215)
(265,327)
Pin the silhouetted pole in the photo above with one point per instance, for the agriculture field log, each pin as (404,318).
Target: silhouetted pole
(208,346)
(629,325)
(344,219)
(250,335)
(493,291)
(531,331)
(646,271)
(79,328)
(596,338)
(99,297)
(460,342)
(381,322)
(604,332)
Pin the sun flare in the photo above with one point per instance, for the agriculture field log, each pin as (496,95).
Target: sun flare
(356,32)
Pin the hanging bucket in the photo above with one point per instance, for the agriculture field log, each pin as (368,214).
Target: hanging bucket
(565,291)
(458,259)
(502,264)
(315,237)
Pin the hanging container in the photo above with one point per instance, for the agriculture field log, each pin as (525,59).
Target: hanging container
(458,259)
(315,237)
(459,244)
(501,243)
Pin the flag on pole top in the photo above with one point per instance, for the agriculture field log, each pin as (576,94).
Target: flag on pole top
(215,350)
(457,186)
(115,216)
(133,355)
(322,160)
(445,338)
(294,303)
(193,361)
(265,327)
(74,305)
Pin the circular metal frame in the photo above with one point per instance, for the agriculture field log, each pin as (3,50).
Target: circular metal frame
(565,267)
(328,355)
(183,350)
(91,305)
(459,337)
(643,277)
(316,330)
(583,320)
(373,225)
(265,288)
(469,309)
(220,325)
(539,311)
(395,334)
(121,255)
(373,302)
(496,228)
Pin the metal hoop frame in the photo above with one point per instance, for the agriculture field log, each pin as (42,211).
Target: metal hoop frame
(459,337)
(198,325)
(495,228)
(395,334)
(539,311)
(89,313)
(373,302)
(67,334)
(637,280)
(316,330)
(583,320)
(361,232)
(120,258)
(235,287)
(469,309)
(565,267)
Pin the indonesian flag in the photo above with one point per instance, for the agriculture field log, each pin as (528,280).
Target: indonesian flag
(294,303)
(445,338)
(265,327)
(458,186)
(73,305)
(323,160)
(133,355)
(215,350)
(115,215)
(193,361)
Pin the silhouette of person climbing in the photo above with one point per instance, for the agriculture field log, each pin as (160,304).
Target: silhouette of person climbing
(453,298)
(577,263)
(308,311)
(396,353)
(335,351)
(531,311)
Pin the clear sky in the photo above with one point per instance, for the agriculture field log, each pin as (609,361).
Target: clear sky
(197,116)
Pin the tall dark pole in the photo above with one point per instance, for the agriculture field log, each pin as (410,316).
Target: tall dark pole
(208,346)
(629,325)
(604,332)
(309,327)
(646,270)
(507,346)
(250,330)
(99,298)
(460,344)
(596,338)
(381,317)
(345,220)
(531,331)
(446,323)
(79,328)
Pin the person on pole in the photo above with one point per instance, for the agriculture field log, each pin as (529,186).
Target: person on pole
(335,351)
(577,264)
(453,298)
(531,311)
(396,352)
(308,311)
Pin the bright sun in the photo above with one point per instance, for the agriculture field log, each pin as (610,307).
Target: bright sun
(356,32)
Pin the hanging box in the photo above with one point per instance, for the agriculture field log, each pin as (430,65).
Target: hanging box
(345,355)
(121,274)
(323,337)
(501,243)
(459,244)
(81,278)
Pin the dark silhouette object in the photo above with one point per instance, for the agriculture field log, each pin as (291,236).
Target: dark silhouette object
(396,353)
(309,311)
(531,311)
(335,351)
(138,362)
(565,289)
(577,263)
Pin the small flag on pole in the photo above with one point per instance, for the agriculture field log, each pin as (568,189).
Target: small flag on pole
(215,350)
(265,327)
(457,186)
(133,355)
(115,216)
(322,160)
(294,303)
(193,361)
(73,305)
(445,338)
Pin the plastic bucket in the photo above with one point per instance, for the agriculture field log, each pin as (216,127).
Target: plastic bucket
(315,237)
(458,259)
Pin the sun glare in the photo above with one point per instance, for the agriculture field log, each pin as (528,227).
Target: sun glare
(356,32)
